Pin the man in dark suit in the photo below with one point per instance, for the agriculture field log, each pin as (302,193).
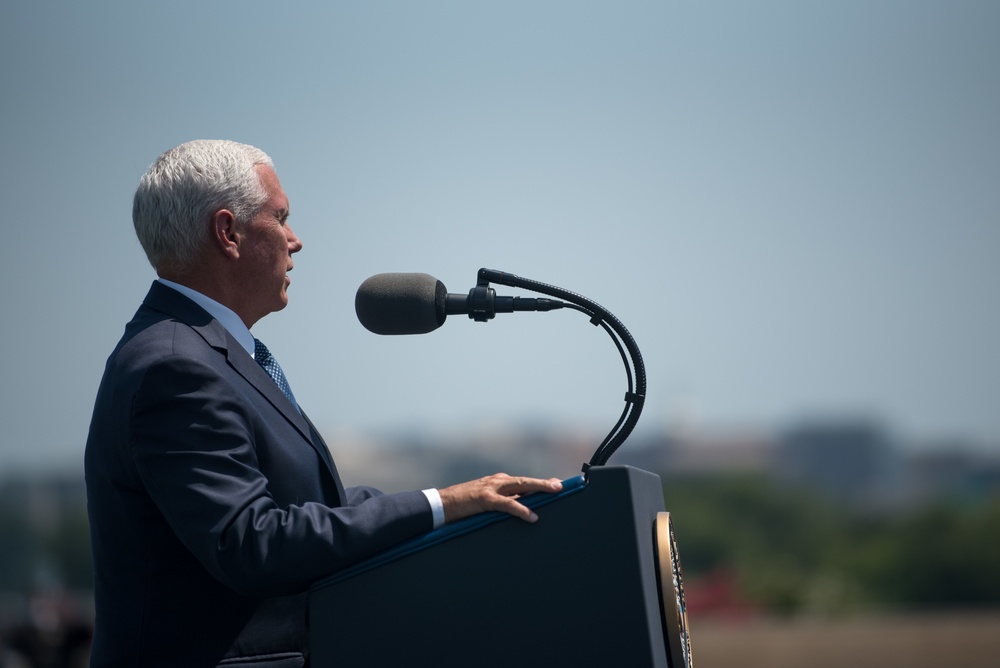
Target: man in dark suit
(213,501)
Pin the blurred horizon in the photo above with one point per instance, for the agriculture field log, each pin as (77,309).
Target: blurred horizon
(495,440)
(798,545)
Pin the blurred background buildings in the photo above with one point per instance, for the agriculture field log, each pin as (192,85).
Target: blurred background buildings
(827,520)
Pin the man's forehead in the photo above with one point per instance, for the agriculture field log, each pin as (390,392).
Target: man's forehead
(269,179)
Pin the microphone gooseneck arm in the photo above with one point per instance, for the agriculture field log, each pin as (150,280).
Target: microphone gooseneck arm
(483,306)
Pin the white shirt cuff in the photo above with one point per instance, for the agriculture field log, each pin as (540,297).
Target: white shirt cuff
(437,508)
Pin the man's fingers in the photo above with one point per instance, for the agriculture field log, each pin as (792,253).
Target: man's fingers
(496,492)
(509,485)
(517,486)
(507,504)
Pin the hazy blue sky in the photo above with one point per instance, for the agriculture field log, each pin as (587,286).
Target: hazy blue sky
(793,206)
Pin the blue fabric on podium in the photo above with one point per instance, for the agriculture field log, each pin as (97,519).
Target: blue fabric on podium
(449,531)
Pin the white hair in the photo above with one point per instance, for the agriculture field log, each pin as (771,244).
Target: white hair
(180,192)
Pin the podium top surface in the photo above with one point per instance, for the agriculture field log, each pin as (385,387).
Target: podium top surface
(597,476)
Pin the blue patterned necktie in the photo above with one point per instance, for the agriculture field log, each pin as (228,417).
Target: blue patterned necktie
(267,362)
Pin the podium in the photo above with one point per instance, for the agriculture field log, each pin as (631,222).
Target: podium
(590,584)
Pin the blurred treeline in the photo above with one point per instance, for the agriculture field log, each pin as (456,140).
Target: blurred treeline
(827,519)
(782,548)
(789,549)
(44,537)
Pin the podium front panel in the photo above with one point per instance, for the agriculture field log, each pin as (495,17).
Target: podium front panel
(578,588)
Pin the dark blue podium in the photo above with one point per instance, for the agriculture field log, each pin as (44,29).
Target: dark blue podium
(581,587)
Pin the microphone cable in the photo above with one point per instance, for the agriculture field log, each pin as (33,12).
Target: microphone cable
(635,396)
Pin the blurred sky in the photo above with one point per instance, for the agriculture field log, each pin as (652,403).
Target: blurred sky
(793,206)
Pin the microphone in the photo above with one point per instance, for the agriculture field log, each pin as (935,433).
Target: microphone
(414,303)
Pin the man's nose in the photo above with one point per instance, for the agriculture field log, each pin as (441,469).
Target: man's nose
(294,243)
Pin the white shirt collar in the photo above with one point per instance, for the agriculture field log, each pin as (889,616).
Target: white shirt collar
(232,322)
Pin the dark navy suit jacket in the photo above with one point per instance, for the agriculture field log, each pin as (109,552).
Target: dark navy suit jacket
(213,501)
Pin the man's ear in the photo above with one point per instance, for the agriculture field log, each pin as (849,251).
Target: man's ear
(224,234)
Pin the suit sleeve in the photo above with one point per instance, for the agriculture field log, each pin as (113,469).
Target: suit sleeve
(358,495)
(194,441)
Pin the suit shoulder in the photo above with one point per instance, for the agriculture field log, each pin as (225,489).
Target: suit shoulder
(152,336)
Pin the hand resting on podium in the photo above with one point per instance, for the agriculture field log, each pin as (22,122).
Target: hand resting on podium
(498,492)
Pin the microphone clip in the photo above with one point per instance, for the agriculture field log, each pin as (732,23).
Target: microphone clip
(482,302)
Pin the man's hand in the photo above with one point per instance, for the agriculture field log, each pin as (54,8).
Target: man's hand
(496,492)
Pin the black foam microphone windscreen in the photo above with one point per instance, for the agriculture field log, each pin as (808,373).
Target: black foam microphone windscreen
(401,303)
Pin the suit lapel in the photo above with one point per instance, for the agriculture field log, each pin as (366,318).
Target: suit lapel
(173,303)
(324,453)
